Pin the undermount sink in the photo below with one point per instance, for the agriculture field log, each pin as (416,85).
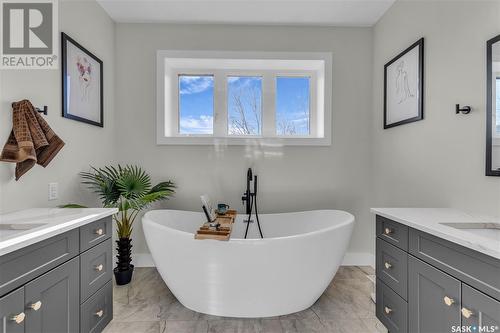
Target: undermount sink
(20,226)
(8,230)
(482,229)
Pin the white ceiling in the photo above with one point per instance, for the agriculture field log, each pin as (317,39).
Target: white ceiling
(272,12)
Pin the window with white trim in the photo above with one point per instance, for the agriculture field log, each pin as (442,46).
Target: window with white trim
(208,97)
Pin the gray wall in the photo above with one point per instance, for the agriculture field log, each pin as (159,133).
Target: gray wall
(89,25)
(438,162)
(291,178)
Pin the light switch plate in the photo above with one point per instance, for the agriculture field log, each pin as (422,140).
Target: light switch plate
(53,191)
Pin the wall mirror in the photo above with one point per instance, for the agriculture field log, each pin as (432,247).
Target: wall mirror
(493,108)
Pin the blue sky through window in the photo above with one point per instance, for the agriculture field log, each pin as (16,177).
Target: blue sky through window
(498,106)
(292,106)
(196,104)
(244,105)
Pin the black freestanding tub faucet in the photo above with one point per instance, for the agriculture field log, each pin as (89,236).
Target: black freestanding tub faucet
(247,196)
(250,200)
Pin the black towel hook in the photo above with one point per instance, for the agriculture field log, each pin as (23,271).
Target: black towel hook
(45,110)
(465,110)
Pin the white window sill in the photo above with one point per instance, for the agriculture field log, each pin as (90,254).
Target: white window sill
(239,141)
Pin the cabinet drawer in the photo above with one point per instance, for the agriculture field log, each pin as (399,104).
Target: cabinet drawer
(97,311)
(476,269)
(392,267)
(95,269)
(391,309)
(12,305)
(94,233)
(23,265)
(392,232)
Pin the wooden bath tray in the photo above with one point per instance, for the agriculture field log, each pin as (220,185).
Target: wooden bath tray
(223,233)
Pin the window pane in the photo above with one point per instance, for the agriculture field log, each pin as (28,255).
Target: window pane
(196,104)
(244,104)
(498,107)
(292,106)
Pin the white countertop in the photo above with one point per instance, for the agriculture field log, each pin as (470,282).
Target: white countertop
(53,221)
(429,220)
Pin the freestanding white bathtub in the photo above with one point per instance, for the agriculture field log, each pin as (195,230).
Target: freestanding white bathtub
(285,272)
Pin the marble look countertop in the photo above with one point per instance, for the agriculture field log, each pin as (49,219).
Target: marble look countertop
(430,220)
(22,228)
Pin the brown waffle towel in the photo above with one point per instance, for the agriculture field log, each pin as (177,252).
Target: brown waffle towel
(30,141)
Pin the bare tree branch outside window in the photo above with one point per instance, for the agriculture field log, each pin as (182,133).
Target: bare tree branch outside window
(292,106)
(245,105)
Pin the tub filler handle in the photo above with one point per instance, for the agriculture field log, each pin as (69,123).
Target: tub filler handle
(250,199)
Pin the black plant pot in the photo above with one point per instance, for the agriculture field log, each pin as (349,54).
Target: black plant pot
(123,277)
(123,270)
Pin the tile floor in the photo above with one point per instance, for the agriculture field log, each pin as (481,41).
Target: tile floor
(146,305)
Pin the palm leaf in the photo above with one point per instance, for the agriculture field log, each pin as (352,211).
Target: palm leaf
(133,182)
(147,200)
(72,206)
(102,182)
(163,186)
(127,188)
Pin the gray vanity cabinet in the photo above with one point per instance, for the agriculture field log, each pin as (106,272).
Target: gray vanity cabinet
(12,312)
(53,301)
(426,284)
(479,309)
(433,298)
(59,285)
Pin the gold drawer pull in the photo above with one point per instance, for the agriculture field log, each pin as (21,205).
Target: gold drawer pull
(387,265)
(387,310)
(99,313)
(99,231)
(36,306)
(448,301)
(18,318)
(388,231)
(466,313)
(99,267)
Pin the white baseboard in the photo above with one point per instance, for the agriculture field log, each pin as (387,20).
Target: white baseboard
(350,259)
(359,259)
(142,260)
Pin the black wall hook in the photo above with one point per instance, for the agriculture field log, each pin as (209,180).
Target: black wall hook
(464,110)
(45,110)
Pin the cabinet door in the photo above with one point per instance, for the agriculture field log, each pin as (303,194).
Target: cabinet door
(12,312)
(479,310)
(433,298)
(57,292)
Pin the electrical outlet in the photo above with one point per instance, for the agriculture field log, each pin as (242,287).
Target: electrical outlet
(53,191)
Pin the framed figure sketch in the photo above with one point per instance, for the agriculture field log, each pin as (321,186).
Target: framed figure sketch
(82,83)
(404,87)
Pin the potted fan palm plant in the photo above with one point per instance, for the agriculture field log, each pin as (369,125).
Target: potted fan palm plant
(129,189)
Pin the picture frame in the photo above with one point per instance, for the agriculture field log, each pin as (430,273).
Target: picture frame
(404,87)
(82,83)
